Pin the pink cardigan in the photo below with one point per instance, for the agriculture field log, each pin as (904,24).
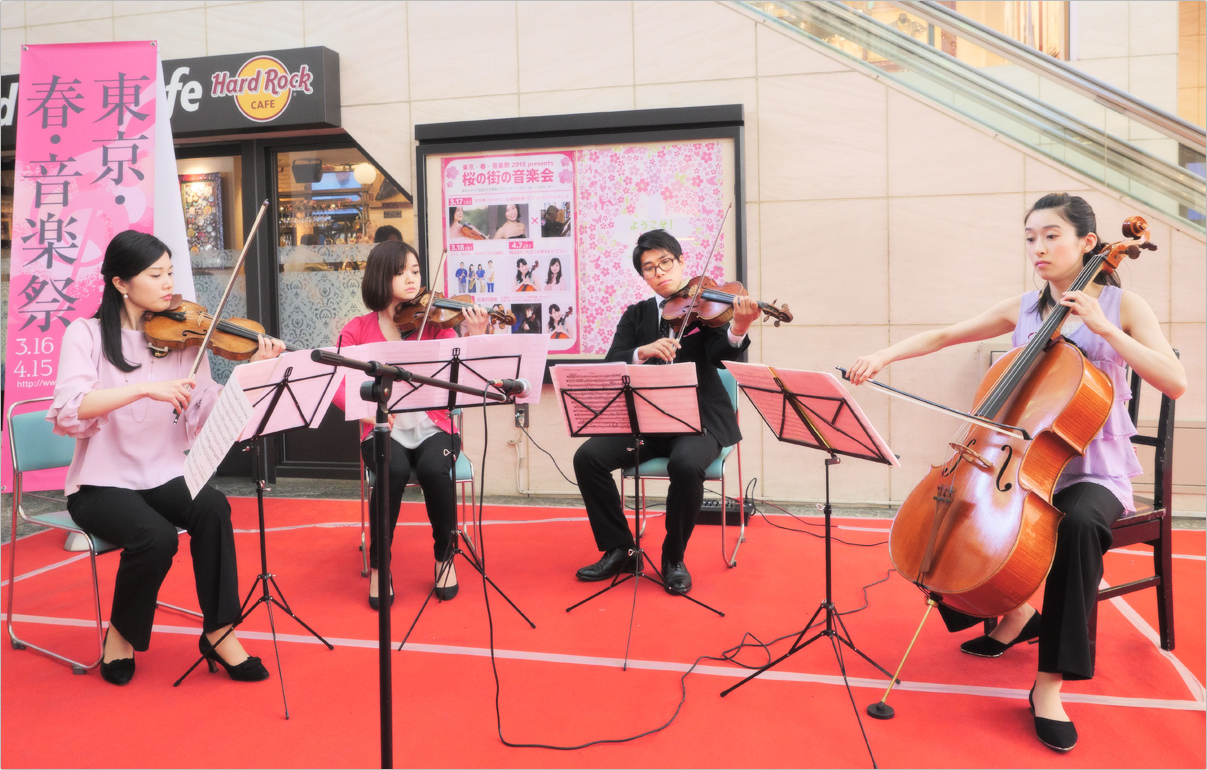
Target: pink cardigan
(363,329)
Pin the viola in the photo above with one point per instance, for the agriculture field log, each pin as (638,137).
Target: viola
(185,324)
(446,312)
(472,233)
(713,304)
(980,529)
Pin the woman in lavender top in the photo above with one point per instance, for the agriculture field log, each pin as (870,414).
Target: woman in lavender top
(1116,329)
(125,483)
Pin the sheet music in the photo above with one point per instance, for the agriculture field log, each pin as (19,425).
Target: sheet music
(482,358)
(666,404)
(217,436)
(311,386)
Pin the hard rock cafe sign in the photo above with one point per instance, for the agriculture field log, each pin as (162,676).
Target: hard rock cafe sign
(262,87)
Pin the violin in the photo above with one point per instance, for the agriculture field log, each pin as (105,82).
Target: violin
(714,305)
(185,324)
(472,233)
(979,530)
(446,312)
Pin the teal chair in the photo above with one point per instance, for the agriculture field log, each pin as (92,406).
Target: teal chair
(655,470)
(34,446)
(465,478)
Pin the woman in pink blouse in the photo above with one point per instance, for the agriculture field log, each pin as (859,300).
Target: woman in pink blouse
(426,442)
(125,482)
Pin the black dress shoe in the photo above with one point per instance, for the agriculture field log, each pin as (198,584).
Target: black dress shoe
(118,672)
(612,563)
(988,647)
(1056,735)
(678,580)
(447,592)
(375,602)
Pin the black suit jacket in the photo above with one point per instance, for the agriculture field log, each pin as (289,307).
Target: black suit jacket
(706,348)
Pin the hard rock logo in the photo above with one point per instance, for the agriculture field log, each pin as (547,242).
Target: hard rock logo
(263,87)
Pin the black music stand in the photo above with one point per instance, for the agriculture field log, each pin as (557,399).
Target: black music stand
(620,408)
(813,409)
(282,403)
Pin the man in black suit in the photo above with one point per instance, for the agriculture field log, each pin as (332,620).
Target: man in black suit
(642,337)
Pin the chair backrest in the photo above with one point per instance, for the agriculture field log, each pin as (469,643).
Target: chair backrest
(1162,442)
(731,387)
(33,443)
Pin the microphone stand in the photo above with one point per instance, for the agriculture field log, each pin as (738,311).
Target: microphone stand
(378,390)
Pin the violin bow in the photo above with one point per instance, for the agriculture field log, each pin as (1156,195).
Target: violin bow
(999,427)
(217,314)
(707,263)
(431,300)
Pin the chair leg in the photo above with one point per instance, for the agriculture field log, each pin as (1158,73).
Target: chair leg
(1093,629)
(364,546)
(468,528)
(731,559)
(1163,566)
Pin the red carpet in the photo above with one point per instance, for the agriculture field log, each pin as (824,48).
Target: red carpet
(562,682)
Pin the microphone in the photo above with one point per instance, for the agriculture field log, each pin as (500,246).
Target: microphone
(517,388)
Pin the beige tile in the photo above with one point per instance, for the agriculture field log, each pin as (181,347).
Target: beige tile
(1113,70)
(620,98)
(1188,258)
(1013,75)
(1154,79)
(828,259)
(249,27)
(10,51)
(373,68)
(798,473)
(181,34)
(1191,341)
(823,136)
(483,37)
(676,41)
(467,108)
(743,91)
(564,46)
(965,161)
(377,128)
(131,7)
(12,14)
(1163,149)
(783,53)
(90,31)
(1043,177)
(1101,29)
(953,257)
(56,11)
(1148,275)
(754,279)
(1152,27)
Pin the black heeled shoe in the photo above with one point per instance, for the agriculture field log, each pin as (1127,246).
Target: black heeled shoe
(1056,735)
(118,672)
(250,670)
(448,592)
(988,647)
(375,602)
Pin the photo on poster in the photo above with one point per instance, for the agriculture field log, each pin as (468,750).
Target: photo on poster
(555,277)
(525,275)
(527,318)
(556,220)
(466,223)
(507,220)
(560,324)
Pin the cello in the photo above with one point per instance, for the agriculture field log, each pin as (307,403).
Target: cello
(978,533)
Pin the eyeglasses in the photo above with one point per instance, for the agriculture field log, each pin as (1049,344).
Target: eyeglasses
(665,264)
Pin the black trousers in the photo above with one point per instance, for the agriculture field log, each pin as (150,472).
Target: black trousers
(143,523)
(1083,536)
(433,464)
(689,457)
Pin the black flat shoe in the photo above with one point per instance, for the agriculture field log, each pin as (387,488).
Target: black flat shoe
(375,603)
(678,580)
(448,592)
(988,647)
(118,672)
(1056,735)
(612,563)
(250,670)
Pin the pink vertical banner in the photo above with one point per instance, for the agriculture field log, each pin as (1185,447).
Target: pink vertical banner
(85,171)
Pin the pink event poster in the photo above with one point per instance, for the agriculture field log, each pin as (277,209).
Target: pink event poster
(85,160)
(509,232)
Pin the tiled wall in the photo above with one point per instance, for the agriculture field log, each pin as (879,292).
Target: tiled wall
(1192,30)
(871,213)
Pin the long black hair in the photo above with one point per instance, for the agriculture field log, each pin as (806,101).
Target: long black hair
(1077,212)
(128,254)
(519,274)
(553,323)
(550,276)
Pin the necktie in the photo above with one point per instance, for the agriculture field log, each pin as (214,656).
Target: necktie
(664,328)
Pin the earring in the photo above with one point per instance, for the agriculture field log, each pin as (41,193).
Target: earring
(125,296)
